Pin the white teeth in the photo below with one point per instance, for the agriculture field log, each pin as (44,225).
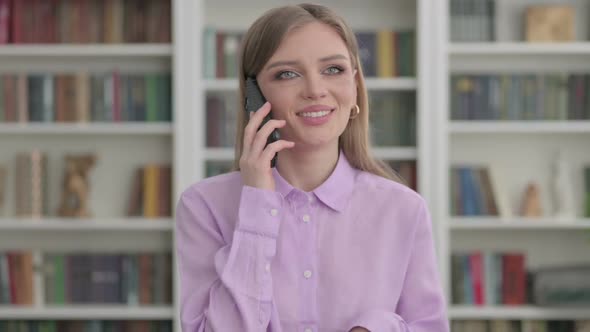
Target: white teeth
(314,114)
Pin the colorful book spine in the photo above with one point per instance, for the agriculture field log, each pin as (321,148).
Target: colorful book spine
(587,193)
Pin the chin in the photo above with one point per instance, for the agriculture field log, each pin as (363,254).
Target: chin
(311,143)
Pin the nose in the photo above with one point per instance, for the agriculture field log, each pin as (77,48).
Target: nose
(314,87)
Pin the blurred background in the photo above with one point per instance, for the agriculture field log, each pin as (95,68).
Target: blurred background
(109,109)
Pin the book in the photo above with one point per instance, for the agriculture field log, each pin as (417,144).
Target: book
(474,191)
(587,191)
(85,21)
(150,192)
(31,190)
(3,175)
(84,97)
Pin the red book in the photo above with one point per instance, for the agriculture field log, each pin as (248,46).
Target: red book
(513,279)
(220,68)
(476,268)
(10,98)
(12,275)
(18,8)
(4,21)
(46,11)
(116,97)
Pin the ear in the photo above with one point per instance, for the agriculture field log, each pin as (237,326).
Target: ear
(356,75)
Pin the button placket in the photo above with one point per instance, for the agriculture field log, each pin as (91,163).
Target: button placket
(307,272)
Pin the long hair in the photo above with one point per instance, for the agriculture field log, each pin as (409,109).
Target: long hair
(261,41)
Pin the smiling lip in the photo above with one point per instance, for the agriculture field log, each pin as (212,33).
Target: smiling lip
(315,108)
(315,121)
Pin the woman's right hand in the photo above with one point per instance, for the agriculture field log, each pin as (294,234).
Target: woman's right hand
(256,157)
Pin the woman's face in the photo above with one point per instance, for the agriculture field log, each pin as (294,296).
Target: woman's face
(310,83)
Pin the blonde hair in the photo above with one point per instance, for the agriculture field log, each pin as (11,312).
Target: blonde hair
(262,40)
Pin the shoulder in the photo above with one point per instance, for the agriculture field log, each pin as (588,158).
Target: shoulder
(386,191)
(216,187)
(391,207)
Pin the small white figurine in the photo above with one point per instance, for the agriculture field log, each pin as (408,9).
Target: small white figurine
(563,195)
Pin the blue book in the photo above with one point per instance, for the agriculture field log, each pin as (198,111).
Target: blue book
(367,52)
(467,280)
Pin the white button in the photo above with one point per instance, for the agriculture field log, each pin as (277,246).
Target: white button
(274,212)
(310,198)
(307,274)
(306,218)
(307,330)
(267,267)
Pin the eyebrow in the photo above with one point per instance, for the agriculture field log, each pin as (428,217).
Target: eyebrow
(324,59)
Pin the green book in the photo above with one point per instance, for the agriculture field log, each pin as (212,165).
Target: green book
(2,111)
(587,181)
(60,294)
(152,94)
(47,326)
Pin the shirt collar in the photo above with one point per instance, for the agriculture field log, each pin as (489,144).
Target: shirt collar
(335,192)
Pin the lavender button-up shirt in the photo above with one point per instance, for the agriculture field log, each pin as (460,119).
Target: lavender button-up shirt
(357,251)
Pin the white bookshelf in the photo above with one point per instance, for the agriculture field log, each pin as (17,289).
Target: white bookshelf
(385,153)
(519,49)
(90,128)
(120,148)
(520,151)
(520,127)
(87,312)
(70,58)
(87,50)
(519,223)
(63,224)
(518,313)
(228,84)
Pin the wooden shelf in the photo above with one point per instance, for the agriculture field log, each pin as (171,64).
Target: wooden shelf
(65,224)
(86,50)
(85,312)
(520,127)
(517,313)
(492,223)
(89,128)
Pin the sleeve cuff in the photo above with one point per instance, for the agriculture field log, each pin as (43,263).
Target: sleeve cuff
(260,211)
(379,320)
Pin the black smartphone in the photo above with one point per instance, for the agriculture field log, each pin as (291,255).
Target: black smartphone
(254,100)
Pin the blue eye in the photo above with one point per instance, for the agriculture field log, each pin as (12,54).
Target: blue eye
(286,75)
(334,70)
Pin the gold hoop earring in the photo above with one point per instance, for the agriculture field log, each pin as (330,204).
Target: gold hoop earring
(358,111)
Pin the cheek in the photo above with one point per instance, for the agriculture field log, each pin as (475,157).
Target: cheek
(347,95)
(280,99)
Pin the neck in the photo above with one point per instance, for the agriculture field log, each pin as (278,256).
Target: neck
(307,168)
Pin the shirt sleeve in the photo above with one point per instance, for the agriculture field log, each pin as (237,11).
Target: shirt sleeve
(422,305)
(226,286)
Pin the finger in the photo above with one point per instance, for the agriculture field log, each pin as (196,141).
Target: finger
(253,125)
(263,134)
(273,148)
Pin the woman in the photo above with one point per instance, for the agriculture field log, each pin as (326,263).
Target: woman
(324,241)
